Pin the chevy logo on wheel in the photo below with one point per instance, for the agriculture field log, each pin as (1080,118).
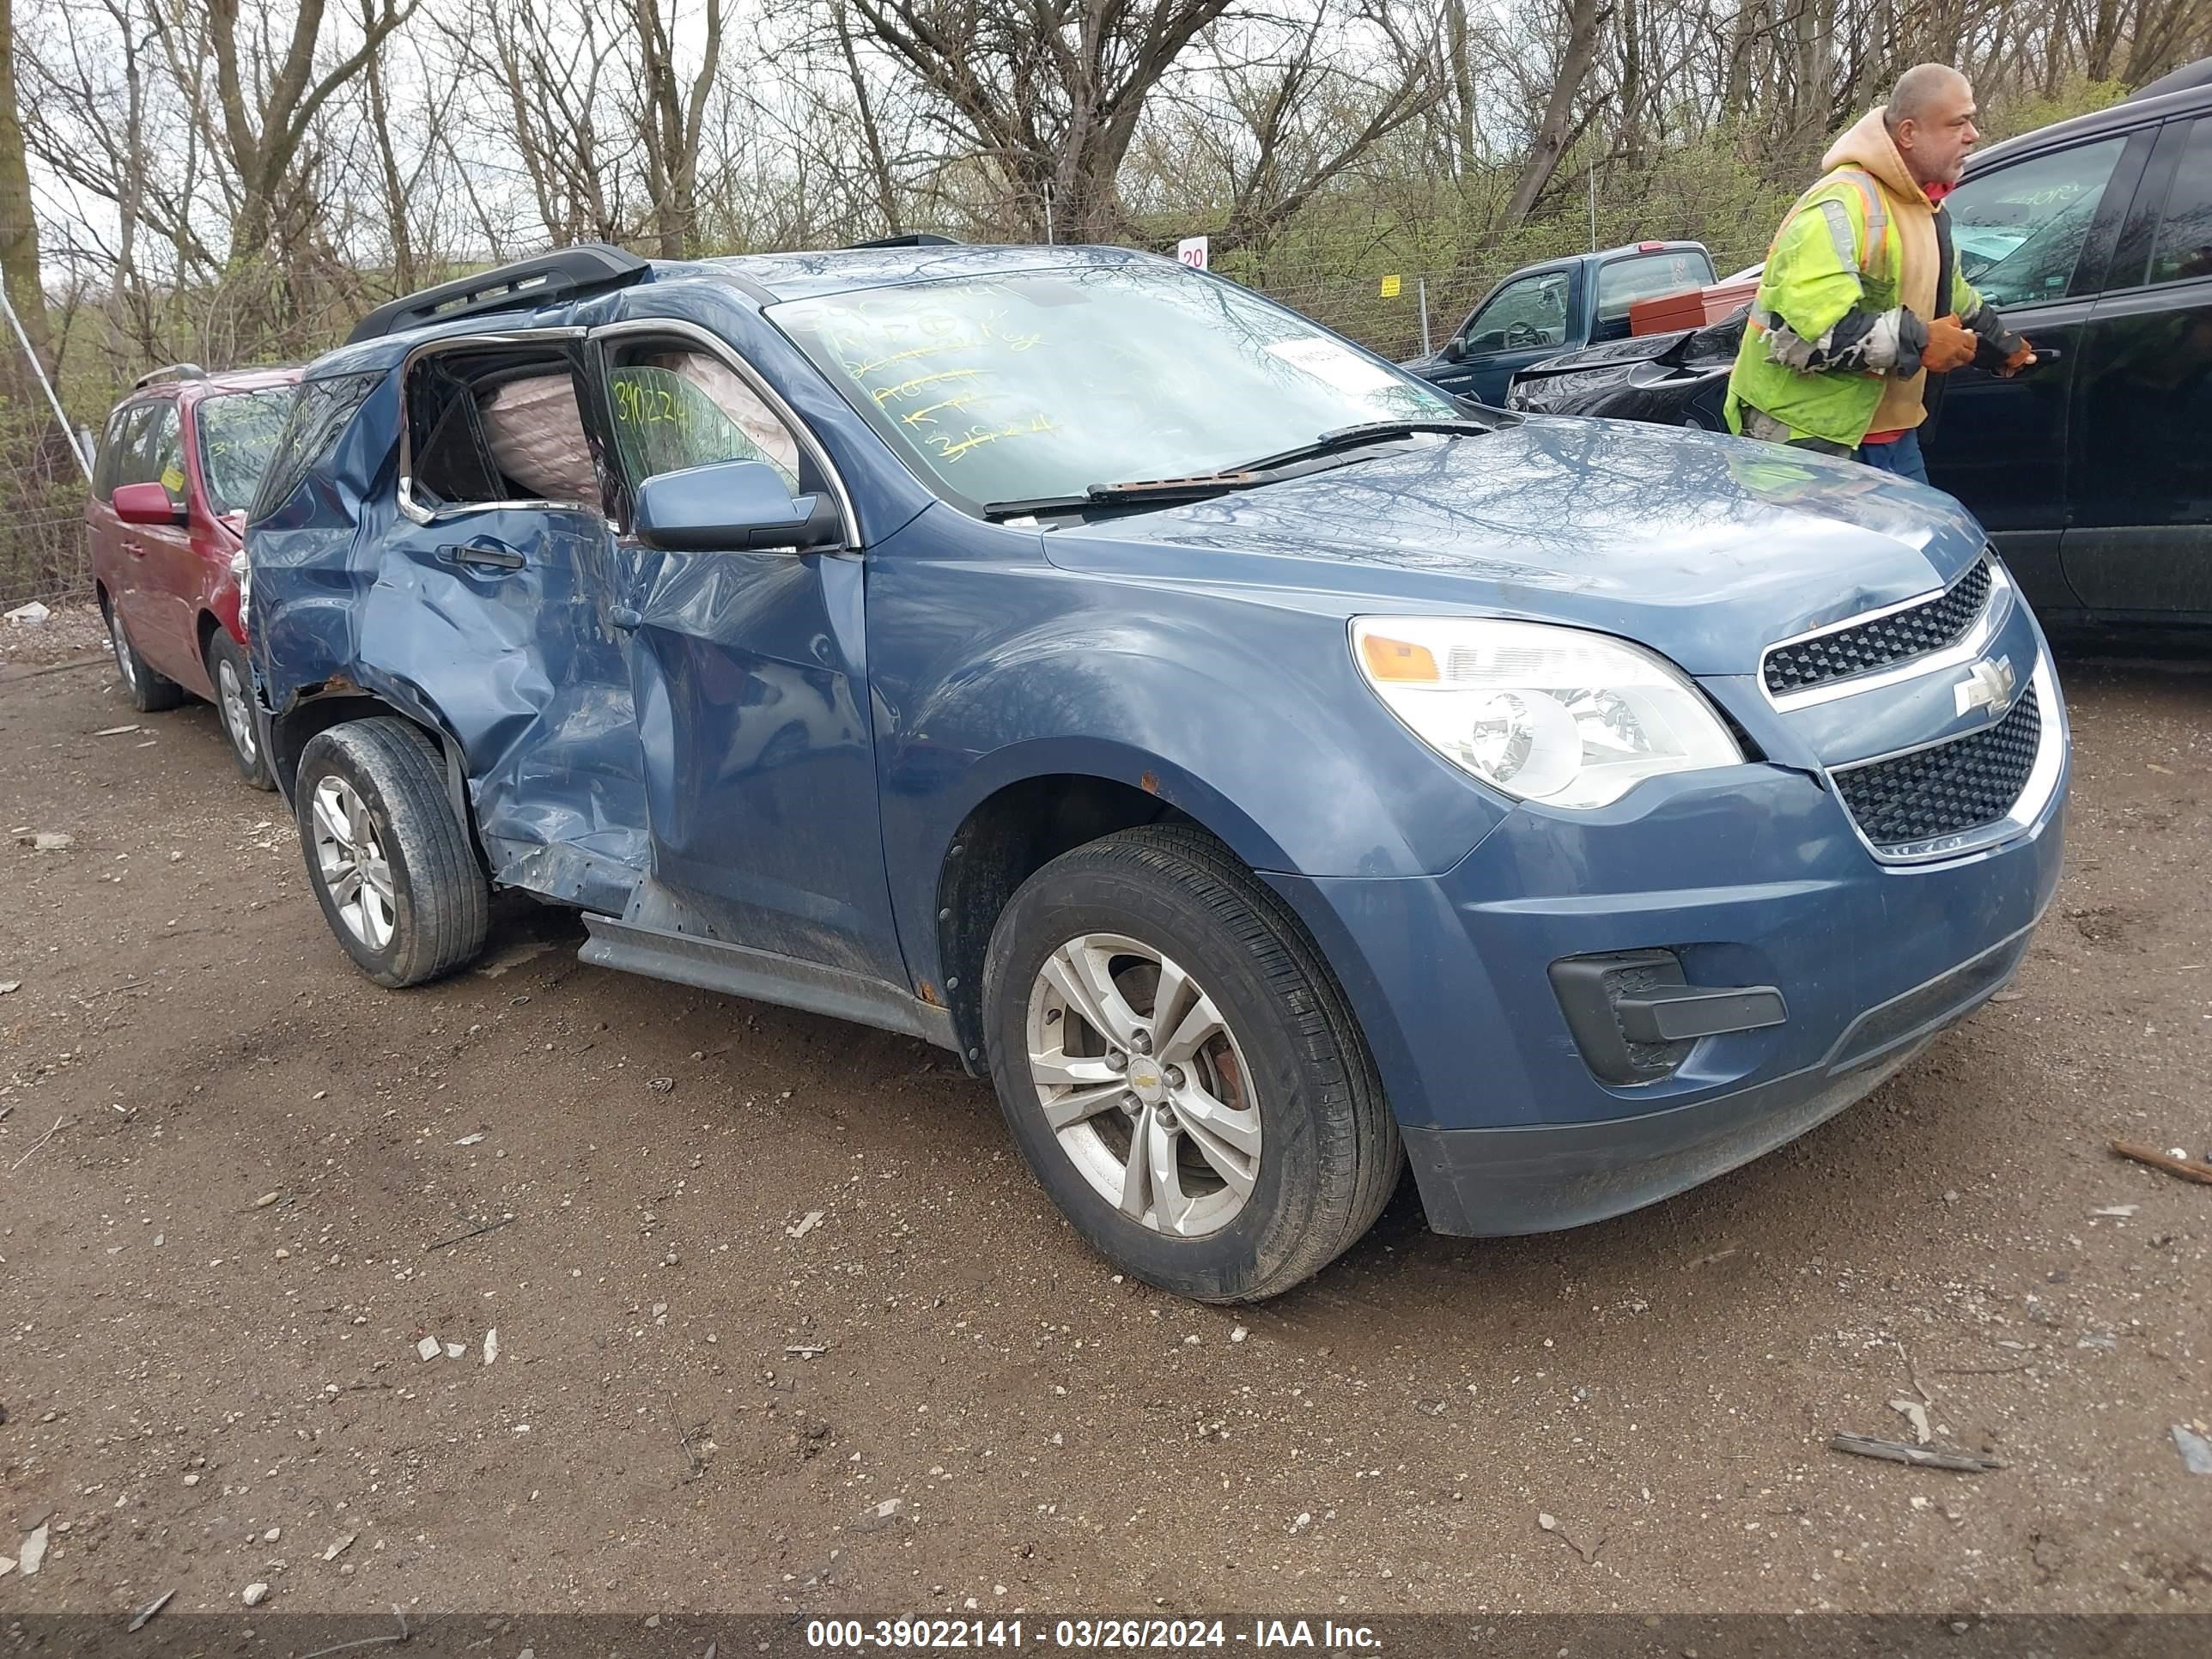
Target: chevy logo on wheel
(1988,685)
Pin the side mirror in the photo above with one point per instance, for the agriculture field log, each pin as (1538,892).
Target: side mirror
(732,506)
(1493,341)
(1454,350)
(148,503)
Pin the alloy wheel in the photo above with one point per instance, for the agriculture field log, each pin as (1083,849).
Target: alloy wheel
(125,664)
(355,867)
(1144,1084)
(237,712)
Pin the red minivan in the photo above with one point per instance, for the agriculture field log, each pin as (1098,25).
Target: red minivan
(178,467)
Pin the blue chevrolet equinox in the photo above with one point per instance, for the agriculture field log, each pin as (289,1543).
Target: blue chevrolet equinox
(1267,770)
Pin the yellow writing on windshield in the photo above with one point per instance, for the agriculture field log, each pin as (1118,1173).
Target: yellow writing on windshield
(908,388)
(858,369)
(950,449)
(922,416)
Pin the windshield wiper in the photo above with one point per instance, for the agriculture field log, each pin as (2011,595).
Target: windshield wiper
(1367,432)
(1146,491)
(1198,486)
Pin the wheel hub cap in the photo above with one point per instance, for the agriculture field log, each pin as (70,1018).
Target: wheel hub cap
(1144,1084)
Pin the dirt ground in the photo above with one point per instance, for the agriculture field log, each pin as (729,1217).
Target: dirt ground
(239,1185)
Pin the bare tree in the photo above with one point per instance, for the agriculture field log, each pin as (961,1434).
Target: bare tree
(1581,22)
(19,264)
(1047,94)
(671,120)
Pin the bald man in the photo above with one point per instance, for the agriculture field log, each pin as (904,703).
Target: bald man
(1860,299)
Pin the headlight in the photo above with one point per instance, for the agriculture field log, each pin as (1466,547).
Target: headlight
(244,572)
(1545,713)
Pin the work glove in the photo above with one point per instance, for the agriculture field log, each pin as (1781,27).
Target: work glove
(1950,345)
(2022,355)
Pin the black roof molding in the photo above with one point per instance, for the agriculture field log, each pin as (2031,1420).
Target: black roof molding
(911,239)
(566,273)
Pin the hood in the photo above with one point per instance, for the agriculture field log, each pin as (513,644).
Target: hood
(1868,145)
(1707,549)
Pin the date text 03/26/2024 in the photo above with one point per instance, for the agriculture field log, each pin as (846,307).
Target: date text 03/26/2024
(1140,1634)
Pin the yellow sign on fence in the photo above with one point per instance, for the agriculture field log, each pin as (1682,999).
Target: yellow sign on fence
(1390,288)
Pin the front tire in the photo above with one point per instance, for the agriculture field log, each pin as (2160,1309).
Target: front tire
(392,866)
(1179,1070)
(233,706)
(151,690)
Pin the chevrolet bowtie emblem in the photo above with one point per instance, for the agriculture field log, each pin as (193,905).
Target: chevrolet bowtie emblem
(1988,685)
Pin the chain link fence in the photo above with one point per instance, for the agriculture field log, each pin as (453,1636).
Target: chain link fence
(42,546)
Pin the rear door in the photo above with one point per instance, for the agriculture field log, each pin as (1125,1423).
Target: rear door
(2033,237)
(493,598)
(166,569)
(115,549)
(2140,538)
(1524,322)
(750,673)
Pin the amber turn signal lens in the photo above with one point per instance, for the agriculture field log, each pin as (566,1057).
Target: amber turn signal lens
(1396,660)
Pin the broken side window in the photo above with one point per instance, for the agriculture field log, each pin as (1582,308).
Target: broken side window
(497,425)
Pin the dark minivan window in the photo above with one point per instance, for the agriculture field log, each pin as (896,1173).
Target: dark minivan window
(2184,249)
(2019,230)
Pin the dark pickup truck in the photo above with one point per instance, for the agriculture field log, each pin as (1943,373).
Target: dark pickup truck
(1562,305)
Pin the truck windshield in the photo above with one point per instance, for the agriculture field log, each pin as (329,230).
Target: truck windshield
(1040,384)
(238,434)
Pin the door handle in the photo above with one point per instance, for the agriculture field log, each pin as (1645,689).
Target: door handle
(492,558)
(623,617)
(2047,354)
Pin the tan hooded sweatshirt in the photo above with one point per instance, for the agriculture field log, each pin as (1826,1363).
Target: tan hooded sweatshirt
(1912,220)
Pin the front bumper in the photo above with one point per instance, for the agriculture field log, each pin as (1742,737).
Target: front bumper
(1500,1182)
(1755,875)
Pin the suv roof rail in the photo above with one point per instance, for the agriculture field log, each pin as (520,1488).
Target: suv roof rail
(171,372)
(564,273)
(911,239)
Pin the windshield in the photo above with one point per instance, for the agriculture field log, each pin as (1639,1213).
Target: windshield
(238,434)
(1038,385)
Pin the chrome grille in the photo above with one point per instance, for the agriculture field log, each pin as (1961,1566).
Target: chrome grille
(1865,647)
(1949,788)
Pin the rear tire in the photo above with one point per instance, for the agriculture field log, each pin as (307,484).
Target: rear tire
(1270,1146)
(234,708)
(151,690)
(392,866)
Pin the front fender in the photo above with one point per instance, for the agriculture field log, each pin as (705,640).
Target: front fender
(1240,706)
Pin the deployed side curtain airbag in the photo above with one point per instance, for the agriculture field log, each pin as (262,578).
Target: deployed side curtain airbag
(536,439)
